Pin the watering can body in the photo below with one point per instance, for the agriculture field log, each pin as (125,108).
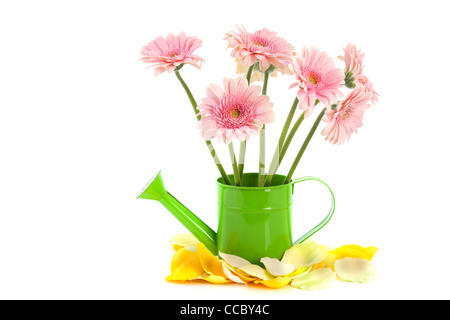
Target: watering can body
(253,222)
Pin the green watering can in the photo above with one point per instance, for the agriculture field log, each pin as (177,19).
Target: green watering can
(253,222)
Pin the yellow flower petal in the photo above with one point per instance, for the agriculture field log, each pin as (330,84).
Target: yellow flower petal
(355,269)
(314,280)
(240,273)
(231,275)
(317,266)
(275,283)
(355,251)
(307,266)
(300,271)
(185,265)
(256,271)
(349,251)
(182,240)
(214,279)
(305,254)
(276,267)
(210,263)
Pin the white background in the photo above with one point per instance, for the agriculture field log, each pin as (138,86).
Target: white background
(84,125)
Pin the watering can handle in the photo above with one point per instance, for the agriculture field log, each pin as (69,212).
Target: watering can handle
(324,221)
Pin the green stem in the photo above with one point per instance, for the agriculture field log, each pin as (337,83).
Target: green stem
(262,156)
(189,94)
(262,139)
(276,156)
(243,147)
(249,73)
(217,162)
(208,142)
(287,123)
(284,149)
(266,79)
(303,148)
(292,133)
(291,136)
(285,146)
(237,178)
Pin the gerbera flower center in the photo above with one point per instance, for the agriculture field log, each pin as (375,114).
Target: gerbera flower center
(346,113)
(234,112)
(176,53)
(313,78)
(260,42)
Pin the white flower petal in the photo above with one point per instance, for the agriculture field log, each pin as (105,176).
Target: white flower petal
(276,267)
(355,269)
(183,240)
(305,254)
(233,260)
(314,280)
(256,271)
(230,275)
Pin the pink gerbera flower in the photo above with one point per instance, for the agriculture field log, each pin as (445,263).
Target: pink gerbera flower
(238,111)
(353,59)
(354,67)
(263,46)
(167,54)
(346,117)
(369,88)
(317,78)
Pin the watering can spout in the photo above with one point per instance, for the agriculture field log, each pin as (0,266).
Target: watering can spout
(155,190)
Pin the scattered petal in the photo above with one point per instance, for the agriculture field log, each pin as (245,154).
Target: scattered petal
(350,251)
(301,270)
(276,267)
(182,240)
(355,269)
(316,266)
(210,263)
(185,265)
(233,260)
(192,248)
(314,280)
(240,273)
(256,271)
(214,279)
(307,266)
(305,254)
(275,283)
(244,275)
(230,275)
